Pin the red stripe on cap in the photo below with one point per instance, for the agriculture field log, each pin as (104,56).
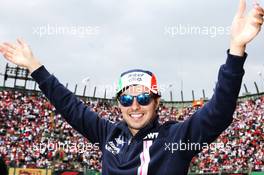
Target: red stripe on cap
(154,85)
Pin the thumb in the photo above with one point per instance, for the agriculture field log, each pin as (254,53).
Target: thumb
(241,8)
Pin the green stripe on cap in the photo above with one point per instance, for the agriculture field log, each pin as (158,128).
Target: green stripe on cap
(119,88)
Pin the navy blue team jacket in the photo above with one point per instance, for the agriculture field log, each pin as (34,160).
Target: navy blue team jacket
(156,149)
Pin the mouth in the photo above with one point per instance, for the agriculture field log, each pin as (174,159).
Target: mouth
(136,116)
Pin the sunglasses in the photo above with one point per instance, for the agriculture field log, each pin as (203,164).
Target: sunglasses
(143,99)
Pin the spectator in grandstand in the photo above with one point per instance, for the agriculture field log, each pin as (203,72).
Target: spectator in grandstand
(139,144)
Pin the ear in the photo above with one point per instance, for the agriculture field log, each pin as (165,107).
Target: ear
(157,103)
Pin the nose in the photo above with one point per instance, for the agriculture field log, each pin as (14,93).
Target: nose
(135,105)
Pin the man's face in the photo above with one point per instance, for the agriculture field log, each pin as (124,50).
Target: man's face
(137,116)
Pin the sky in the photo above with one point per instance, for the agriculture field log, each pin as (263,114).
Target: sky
(183,42)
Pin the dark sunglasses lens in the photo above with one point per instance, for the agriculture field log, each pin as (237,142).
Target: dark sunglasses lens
(144,99)
(126,100)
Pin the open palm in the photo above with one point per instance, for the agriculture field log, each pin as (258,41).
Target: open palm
(20,54)
(245,28)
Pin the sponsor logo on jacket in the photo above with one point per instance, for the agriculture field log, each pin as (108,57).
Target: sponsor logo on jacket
(151,136)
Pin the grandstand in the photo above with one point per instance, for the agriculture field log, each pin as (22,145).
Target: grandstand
(35,139)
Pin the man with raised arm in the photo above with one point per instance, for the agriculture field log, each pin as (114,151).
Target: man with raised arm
(140,144)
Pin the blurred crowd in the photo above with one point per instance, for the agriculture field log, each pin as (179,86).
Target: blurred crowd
(33,135)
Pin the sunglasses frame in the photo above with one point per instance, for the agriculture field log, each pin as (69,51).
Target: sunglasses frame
(151,97)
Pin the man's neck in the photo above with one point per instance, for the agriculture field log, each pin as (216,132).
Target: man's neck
(133,131)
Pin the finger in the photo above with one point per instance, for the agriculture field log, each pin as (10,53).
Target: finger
(255,17)
(8,56)
(10,50)
(258,16)
(257,24)
(10,46)
(241,8)
(258,20)
(2,48)
(259,10)
(21,42)
(4,52)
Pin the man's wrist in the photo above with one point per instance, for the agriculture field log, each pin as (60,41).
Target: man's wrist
(34,66)
(238,50)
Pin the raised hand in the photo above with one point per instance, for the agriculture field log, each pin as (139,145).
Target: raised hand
(245,27)
(20,54)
